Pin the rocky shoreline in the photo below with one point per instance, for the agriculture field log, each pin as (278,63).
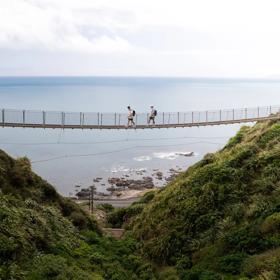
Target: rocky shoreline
(125,188)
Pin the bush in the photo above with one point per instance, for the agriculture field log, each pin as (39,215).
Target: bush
(21,175)
(121,215)
(147,197)
(49,193)
(231,263)
(55,267)
(237,138)
(200,274)
(168,273)
(256,264)
(245,240)
(79,220)
(105,207)
(271,223)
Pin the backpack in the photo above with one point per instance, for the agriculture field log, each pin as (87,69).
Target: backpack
(133,113)
(155,112)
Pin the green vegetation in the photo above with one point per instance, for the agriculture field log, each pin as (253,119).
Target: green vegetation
(119,217)
(218,220)
(45,236)
(221,218)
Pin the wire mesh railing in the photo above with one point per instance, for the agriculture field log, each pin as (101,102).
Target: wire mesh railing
(12,117)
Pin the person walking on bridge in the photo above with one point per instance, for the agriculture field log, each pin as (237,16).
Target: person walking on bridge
(130,116)
(152,115)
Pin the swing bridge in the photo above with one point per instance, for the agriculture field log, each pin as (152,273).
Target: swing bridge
(90,120)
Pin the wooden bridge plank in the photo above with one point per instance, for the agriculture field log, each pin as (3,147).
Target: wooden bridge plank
(175,125)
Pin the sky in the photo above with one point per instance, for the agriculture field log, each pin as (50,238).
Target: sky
(188,38)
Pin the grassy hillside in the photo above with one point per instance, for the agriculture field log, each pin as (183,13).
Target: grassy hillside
(218,220)
(45,236)
(221,218)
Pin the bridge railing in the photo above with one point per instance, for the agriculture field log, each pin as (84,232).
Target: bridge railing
(56,118)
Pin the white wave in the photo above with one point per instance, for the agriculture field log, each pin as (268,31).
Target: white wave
(170,155)
(141,169)
(142,158)
(119,169)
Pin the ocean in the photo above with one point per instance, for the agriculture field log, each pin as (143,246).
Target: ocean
(75,157)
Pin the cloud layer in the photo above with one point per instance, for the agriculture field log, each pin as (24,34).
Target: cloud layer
(133,37)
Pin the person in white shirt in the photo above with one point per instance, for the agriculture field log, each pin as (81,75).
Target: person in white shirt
(130,115)
(152,115)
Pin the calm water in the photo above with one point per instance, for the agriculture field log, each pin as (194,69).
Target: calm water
(66,158)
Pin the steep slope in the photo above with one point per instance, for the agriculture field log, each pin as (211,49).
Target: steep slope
(221,218)
(45,236)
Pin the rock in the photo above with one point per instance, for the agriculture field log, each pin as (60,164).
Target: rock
(145,182)
(189,154)
(158,175)
(101,194)
(171,177)
(111,189)
(83,193)
(97,180)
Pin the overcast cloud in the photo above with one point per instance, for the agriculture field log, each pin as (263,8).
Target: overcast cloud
(148,37)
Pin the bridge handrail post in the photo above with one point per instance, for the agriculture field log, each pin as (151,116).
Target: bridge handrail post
(119,119)
(101,117)
(192,116)
(98,116)
(258,112)
(163,118)
(3,116)
(206,116)
(178,117)
(270,110)
(220,115)
(44,117)
(81,115)
(115,119)
(62,118)
(23,116)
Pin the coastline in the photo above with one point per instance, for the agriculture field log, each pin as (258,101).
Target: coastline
(118,199)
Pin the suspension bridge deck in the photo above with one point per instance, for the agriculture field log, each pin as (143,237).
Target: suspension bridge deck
(80,120)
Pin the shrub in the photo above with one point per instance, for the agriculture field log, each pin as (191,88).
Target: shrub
(147,197)
(231,263)
(49,193)
(105,207)
(121,215)
(168,273)
(55,267)
(271,223)
(256,264)
(237,138)
(79,220)
(21,175)
(200,274)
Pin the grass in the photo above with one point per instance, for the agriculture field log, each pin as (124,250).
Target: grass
(221,216)
(218,220)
